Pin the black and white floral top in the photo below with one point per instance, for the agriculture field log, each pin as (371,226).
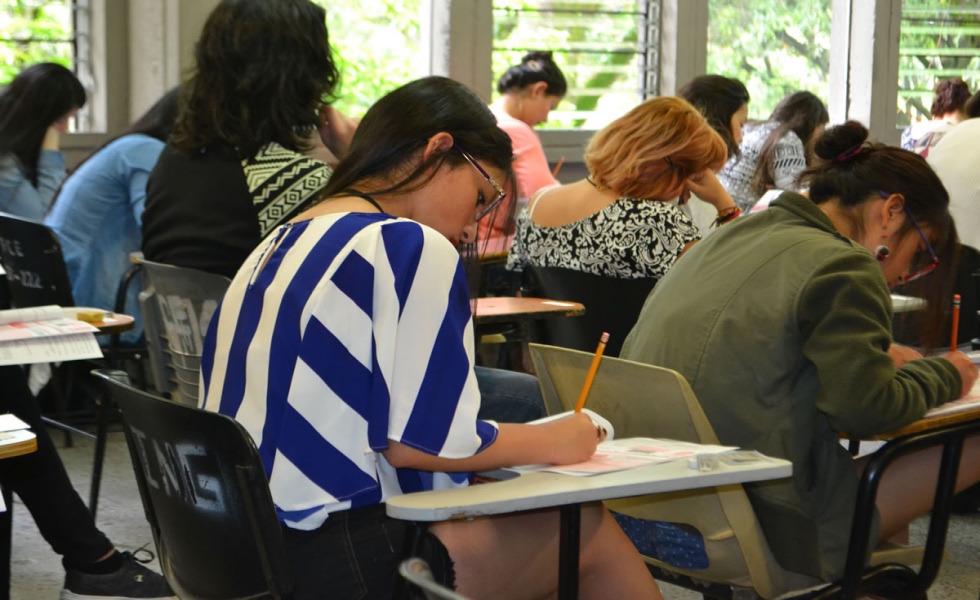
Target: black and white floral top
(629,239)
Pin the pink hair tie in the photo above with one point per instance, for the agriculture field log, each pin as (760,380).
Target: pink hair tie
(849,154)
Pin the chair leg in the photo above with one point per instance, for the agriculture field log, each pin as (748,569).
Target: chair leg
(105,407)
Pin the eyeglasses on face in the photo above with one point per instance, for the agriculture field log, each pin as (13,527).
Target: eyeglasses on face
(921,264)
(501,194)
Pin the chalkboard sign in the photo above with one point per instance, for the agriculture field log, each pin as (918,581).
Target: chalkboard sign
(31,255)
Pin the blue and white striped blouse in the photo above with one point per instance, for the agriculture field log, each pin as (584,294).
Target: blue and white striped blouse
(336,335)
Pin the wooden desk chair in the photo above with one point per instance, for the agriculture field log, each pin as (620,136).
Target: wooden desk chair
(646,401)
(37,276)
(611,304)
(206,497)
(177,304)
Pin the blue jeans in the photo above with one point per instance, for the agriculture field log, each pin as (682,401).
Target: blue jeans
(508,396)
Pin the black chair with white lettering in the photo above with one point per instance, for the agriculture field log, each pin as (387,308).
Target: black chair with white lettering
(206,496)
(37,276)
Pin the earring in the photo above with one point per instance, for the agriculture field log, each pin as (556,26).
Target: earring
(882,251)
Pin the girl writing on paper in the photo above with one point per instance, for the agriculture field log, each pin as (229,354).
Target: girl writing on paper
(781,322)
(344,346)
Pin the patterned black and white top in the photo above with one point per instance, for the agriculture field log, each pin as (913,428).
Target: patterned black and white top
(629,239)
(788,161)
(281,181)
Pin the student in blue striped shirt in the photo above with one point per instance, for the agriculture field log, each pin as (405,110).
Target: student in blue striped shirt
(345,347)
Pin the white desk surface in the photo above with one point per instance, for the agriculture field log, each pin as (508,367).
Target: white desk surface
(906,303)
(543,490)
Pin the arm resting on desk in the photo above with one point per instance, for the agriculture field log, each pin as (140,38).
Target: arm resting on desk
(516,444)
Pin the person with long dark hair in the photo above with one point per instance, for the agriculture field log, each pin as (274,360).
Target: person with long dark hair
(344,346)
(724,102)
(250,149)
(772,154)
(782,324)
(34,111)
(99,210)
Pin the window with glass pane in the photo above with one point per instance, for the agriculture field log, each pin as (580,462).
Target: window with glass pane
(774,48)
(376,45)
(940,39)
(35,31)
(607,51)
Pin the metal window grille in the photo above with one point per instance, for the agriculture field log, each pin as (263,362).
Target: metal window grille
(938,40)
(609,52)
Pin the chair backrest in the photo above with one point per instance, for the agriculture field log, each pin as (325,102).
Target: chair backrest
(416,572)
(206,497)
(611,304)
(31,255)
(177,304)
(646,401)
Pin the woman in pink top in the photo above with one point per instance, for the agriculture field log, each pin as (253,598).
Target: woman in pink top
(528,92)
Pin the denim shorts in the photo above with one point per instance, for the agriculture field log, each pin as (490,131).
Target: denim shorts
(355,554)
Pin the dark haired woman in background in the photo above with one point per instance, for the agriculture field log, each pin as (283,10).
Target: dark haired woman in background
(99,211)
(528,92)
(724,102)
(775,152)
(793,311)
(34,112)
(947,110)
(369,345)
(248,151)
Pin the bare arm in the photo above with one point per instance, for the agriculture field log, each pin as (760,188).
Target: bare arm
(565,441)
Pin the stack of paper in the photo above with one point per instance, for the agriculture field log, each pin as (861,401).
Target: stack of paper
(44,334)
(629,453)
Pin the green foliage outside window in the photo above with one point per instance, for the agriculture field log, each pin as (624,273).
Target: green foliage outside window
(33,31)
(377,46)
(774,48)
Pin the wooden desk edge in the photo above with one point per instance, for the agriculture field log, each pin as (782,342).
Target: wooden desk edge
(925,424)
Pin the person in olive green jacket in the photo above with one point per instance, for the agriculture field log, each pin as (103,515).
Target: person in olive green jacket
(781,322)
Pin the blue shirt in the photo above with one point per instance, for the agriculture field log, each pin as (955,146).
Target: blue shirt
(336,335)
(98,217)
(18,196)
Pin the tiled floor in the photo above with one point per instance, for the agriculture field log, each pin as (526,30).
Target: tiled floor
(37,572)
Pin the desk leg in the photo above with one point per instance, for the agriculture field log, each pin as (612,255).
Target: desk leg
(939,521)
(569,543)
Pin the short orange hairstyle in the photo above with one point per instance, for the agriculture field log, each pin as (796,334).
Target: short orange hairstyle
(653,149)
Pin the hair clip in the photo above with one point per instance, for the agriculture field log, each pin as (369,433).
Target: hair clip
(849,154)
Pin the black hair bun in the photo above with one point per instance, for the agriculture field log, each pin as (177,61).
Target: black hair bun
(537,56)
(840,139)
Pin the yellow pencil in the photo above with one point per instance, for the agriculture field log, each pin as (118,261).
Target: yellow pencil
(561,161)
(956,322)
(592,370)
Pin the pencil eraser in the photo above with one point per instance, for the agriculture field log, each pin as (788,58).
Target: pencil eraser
(91,316)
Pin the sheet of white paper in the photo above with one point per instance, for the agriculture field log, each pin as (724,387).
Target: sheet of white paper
(51,327)
(50,349)
(10,422)
(34,313)
(629,453)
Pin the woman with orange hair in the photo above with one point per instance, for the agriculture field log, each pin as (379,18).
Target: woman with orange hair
(617,221)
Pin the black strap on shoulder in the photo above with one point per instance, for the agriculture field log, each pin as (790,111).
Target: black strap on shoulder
(362,195)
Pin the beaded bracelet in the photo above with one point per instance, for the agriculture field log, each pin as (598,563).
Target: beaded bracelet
(730,215)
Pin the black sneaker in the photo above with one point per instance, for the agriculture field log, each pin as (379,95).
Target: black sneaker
(132,580)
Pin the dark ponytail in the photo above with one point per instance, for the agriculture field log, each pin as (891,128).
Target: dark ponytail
(856,171)
(534,67)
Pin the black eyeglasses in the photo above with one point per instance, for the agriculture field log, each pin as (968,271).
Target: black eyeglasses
(933,260)
(501,194)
